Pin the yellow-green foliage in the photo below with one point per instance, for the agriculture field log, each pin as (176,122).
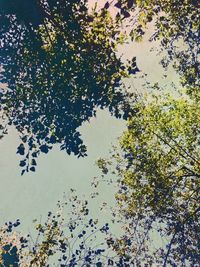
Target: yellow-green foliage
(162,148)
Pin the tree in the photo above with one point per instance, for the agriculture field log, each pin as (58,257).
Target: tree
(157,164)
(176,25)
(60,64)
(158,168)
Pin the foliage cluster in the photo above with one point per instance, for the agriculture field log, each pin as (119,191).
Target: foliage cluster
(176,24)
(158,168)
(60,63)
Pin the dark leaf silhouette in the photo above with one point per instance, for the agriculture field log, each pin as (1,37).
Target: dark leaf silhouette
(125,13)
(130,3)
(32,169)
(118,5)
(22,163)
(44,149)
(106,5)
(21,149)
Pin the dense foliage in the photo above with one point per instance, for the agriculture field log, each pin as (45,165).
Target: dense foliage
(158,167)
(158,161)
(59,62)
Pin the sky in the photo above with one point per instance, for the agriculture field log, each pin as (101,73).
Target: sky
(32,195)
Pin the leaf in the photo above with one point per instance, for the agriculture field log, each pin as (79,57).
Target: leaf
(106,6)
(44,148)
(125,13)
(32,169)
(118,5)
(33,162)
(22,163)
(130,3)
(34,154)
(21,149)
(22,172)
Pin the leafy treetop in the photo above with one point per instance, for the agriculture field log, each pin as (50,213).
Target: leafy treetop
(60,64)
(158,167)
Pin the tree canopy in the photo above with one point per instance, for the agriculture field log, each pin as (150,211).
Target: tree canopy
(176,24)
(59,62)
(157,162)
(158,168)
